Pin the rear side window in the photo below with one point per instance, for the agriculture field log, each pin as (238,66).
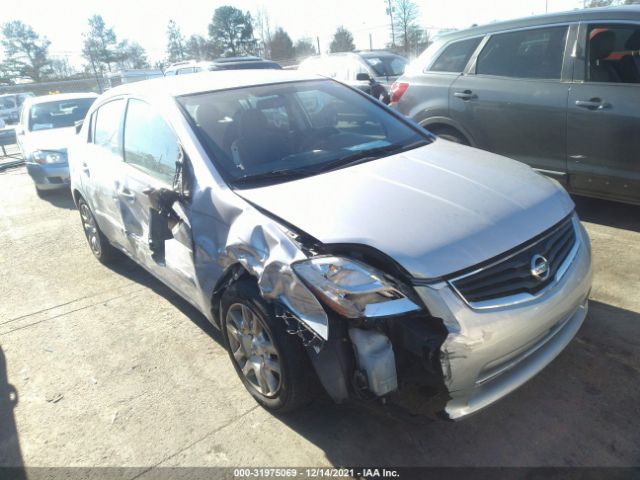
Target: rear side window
(149,142)
(455,57)
(534,53)
(613,53)
(107,125)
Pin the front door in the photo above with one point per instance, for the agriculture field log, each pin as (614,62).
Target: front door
(604,113)
(101,169)
(513,101)
(156,221)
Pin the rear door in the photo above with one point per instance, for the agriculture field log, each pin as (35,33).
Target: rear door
(158,230)
(604,112)
(101,169)
(427,99)
(512,100)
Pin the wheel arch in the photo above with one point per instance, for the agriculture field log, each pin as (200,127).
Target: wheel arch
(433,123)
(231,274)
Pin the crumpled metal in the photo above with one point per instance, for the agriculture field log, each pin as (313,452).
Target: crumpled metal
(267,251)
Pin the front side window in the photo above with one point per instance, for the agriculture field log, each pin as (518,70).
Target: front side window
(533,53)
(455,57)
(277,132)
(613,53)
(107,125)
(149,142)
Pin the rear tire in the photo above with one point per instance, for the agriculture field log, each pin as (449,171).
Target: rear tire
(272,364)
(98,242)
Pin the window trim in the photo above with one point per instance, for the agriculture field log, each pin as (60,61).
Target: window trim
(580,48)
(565,69)
(136,167)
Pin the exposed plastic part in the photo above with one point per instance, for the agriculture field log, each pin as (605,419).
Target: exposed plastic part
(374,355)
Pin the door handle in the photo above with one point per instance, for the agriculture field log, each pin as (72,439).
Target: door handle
(466,95)
(85,168)
(592,104)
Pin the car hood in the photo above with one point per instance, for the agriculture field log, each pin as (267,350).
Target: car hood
(436,210)
(51,139)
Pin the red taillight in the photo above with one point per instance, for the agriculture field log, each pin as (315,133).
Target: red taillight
(397,90)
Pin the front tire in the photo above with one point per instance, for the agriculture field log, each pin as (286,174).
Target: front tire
(272,364)
(98,242)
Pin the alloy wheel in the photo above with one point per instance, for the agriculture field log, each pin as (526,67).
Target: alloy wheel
(90,229)
(253,350)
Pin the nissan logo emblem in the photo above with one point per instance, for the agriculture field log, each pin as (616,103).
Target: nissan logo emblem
(539,268)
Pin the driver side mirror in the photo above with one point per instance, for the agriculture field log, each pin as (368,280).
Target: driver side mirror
(78,126)
(363,77)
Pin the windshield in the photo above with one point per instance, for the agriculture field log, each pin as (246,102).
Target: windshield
(294,129)
(387,65)
(63,113)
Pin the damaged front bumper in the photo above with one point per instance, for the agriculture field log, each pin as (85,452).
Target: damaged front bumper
(477,356)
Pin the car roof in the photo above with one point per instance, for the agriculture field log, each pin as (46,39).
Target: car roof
(175,86)
(59,97)
(627,12)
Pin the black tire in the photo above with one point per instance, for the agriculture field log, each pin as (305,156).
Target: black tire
(98,242)
(297,381)
(41,193)
(450,134)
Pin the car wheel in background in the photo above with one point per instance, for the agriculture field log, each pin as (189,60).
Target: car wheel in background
(450,134)
(98,243)
(272,364)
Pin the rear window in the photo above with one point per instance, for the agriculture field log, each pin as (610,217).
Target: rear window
(386,65)
(533,53)
(455,57)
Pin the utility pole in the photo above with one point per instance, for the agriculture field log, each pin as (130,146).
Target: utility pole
(318,41)
(390,13)
(370,42)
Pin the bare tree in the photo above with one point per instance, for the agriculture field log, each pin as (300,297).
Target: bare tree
(263,30)
(406,16)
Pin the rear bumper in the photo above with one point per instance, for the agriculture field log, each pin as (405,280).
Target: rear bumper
(489,353)
(49,176)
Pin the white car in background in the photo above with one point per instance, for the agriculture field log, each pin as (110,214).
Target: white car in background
(10,105)
(46,127)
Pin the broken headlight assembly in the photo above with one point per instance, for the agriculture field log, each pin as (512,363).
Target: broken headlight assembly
(353,289)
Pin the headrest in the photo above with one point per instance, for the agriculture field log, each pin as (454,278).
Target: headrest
(602,44)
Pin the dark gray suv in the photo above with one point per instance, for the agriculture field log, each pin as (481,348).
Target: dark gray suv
(559,92)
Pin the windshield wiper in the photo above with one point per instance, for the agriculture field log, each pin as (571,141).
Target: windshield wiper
(271,175)
(367,155)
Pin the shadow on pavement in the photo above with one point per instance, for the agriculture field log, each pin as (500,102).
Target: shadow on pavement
(565,416)
(59,198)
(611,214)
(10,454)
(131,270)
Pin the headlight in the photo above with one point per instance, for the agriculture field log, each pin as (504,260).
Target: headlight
(353,289)
(44,156)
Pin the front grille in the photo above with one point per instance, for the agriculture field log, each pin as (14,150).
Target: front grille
(511,273)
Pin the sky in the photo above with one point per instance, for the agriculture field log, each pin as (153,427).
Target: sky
(145,21)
